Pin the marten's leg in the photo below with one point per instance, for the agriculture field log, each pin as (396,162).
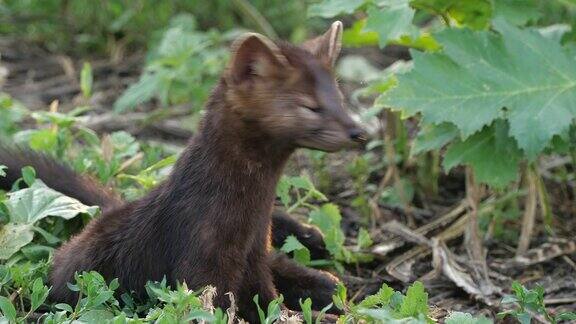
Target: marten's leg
(257,281)
(223,269)
(297,282)
(284,225)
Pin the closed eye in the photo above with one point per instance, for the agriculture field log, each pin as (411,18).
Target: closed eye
(315,109)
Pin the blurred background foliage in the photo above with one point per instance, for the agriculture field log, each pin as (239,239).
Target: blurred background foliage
(92,27)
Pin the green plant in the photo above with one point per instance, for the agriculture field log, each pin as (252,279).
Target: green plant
(26,207)
(306,307)
(359,170)
(37,293)
(301,253)
(182,69)
(86,80)
(326,217)
(147,178)
(528,302)
(56,131)
(488,92)
(12,113)
(511,116)
(321,173)
(386,22)
(273,311)
(303,189)
(465,318)
(514,113)
(387,305)
(26,293)
(118,26)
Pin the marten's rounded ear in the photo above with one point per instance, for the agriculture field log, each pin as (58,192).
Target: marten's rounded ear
(254,55)
(327,46)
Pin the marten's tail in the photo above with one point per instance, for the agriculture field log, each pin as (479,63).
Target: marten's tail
(57,176)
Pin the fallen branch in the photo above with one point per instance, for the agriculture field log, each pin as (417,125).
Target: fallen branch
(384,249)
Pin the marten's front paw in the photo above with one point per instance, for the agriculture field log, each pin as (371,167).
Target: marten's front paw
(313,239)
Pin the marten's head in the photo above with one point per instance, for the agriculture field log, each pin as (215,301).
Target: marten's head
(289,94)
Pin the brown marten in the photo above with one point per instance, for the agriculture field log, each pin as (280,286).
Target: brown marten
(210,222)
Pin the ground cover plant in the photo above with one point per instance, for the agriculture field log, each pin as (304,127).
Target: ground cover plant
(459,210)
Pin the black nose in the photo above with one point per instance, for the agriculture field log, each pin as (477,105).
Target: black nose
(357,134)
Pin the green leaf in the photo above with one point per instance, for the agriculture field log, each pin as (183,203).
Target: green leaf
(283,191)
(306,308)
(383,315)
(64,307)
(29,175)
(333,8)
(138,93)
(569,316)
(340,297)
(472,13)
(8,309)
(491,153)
(465,318)
(381,298)
(261,314)
(433,137)
(39,294)
(328,218)
(517,12)
(508,299)
(424,42)
(3,170)
(96,316)
(36,252)
(320,315)
(13,237)
(524,318)
(161,164)
(482,76)
(86,80)
(399,194)
(355,36)
(197,315)
(30,205)
(364,240)
(301,252)
(49,237)
(273,310)
(27,206)
(12,113)
(390,22)
(41,139)
(416,301)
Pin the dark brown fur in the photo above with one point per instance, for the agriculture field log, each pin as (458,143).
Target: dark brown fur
(57,176)
(209,223)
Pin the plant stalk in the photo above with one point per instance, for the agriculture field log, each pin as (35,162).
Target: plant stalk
(472,238)
(250,12)
(529,216)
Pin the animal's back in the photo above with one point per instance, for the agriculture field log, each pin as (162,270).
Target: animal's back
(107,245)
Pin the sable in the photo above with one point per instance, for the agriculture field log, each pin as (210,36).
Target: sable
(210,222)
